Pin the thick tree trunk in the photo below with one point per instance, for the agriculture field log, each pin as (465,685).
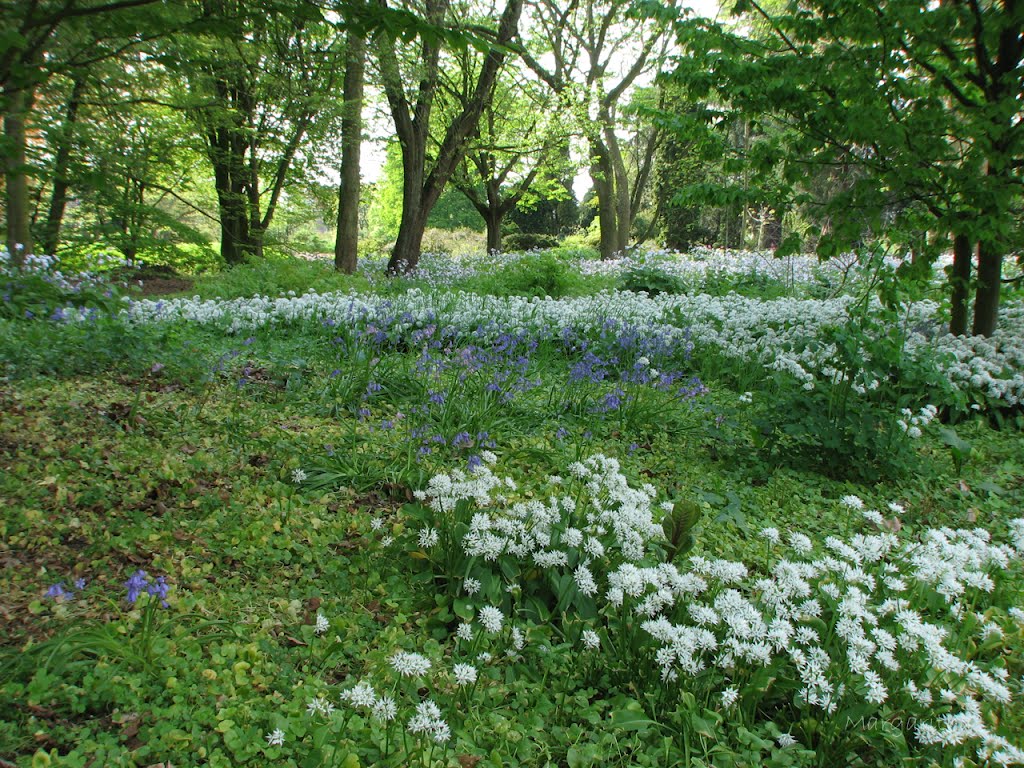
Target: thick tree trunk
(406,253)
(960,280)
(410,239)
(986,296)
(603,178)
(16,200)
(235,243)
(59,195)
(620,186)
(493,220)
(346,242)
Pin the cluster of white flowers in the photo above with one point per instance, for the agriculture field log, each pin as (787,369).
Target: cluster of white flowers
(560,533)
(410,664)
(911,422)
(428,721)
(714,615)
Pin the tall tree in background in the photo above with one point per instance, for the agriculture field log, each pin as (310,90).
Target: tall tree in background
(920,100)
(516,140)
(44,37)
(425,173)
(346,244)
(592,38)
(256,84)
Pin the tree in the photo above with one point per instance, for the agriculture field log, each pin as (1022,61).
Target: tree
(44,37)
(515,141)
(921,100)
(591,38)
(256,83)
(425,177)
(346,244)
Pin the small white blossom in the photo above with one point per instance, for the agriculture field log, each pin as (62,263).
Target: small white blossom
(730,696)
(410,664)
(322,624)
(385,709)
(465,674)
(428,538)
(298,475)
(491,618)
(590,639)
(275,738)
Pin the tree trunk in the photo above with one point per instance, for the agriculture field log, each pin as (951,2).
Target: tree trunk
(234,221)
(59,195)
(406,254)
(346,242)
(960,279)
(493,221)
(603,178)
(420,189)
(620,186)
(19,234)
(986,296)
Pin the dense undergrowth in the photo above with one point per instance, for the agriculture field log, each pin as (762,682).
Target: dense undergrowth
(397,534)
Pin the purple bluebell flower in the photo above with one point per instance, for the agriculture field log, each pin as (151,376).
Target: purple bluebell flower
(159,588)
(561,433)
(79,583)
(57,591)
(135,585)
(461,439)
(474,462)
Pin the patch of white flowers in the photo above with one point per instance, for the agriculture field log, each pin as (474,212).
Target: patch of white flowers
(779,334)
(713,618)
(567,532)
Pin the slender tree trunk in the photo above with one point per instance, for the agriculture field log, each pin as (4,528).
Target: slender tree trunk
(16,202)
(986,296)
(346,242)
(960,280)
(59,195)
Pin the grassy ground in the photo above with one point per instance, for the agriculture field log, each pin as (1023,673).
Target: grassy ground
(175,452)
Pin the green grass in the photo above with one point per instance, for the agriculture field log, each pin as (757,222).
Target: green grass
(174,451)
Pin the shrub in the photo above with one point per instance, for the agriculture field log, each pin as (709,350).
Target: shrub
(538,273)
(525,241)
(651,280)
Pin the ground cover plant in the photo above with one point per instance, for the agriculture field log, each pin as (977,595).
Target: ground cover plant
(702,509)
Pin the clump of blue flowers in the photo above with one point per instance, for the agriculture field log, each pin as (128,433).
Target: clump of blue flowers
(140,582)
